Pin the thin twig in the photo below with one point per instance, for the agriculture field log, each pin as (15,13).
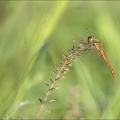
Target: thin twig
(72,55)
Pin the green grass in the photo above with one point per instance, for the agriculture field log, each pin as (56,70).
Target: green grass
(33,37)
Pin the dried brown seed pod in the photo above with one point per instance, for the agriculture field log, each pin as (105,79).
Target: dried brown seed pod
(68,63)
(59,77)
(53,88)
(64,56)
(51,100)
(52,80)
(47,93)
(74,44)
(46,83)
(55,72)
(40,100)
(65,70)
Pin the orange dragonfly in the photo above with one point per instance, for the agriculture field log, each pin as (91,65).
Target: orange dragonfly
(88,43)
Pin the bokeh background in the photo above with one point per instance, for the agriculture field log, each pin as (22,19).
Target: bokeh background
(34,35)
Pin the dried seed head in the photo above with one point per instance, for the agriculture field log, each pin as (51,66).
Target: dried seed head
(61,62)
(59,77)
(74,44)
(52,80)
(68,63)
(51,101)
(46,83)
(65,70)
(40,100)
(55,72)
(47,93)
(57,65)
(69,51)
(53,88)
(77,54)
(70,57)
(72,50)
(64,56)
(73,58)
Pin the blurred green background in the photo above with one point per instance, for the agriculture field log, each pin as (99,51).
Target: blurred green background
(33,36)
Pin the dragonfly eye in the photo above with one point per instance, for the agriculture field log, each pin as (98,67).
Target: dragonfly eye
(90,39)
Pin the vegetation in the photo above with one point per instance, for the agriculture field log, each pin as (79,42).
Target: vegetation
(35,36)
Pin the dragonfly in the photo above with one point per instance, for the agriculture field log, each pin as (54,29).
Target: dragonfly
(88,43)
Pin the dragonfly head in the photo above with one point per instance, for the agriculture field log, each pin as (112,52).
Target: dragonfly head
(90,39)
(95,43)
